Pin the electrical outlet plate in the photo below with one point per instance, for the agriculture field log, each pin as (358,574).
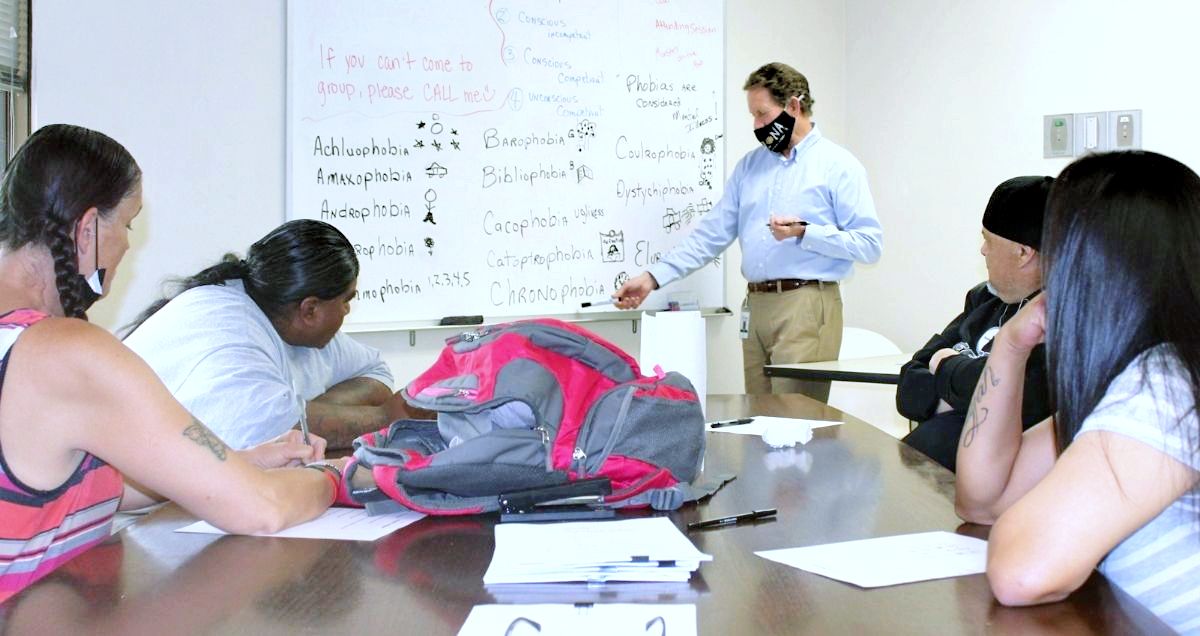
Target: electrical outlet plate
(1058,132)
(1125,129)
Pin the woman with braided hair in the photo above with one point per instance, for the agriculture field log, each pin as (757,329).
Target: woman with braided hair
(86,428)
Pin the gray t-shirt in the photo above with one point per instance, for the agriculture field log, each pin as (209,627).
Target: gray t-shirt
(1159,564)
(220,356)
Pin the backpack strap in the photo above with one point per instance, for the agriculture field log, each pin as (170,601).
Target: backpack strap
(673,497)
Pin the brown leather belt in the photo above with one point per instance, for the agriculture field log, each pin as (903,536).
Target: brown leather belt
(783,284)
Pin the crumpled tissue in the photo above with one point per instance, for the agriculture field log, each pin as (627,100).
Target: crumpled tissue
(786,434)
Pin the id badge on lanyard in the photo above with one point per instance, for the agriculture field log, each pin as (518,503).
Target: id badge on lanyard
(744,324)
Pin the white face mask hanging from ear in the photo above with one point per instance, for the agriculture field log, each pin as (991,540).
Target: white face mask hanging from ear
(93,286)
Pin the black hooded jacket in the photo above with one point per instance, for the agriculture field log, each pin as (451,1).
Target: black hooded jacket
(919,390)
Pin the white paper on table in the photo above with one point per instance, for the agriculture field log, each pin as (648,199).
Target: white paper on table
(676,341)
(349,524)
(627,550)
(892,560)
(600,619)
(761,422)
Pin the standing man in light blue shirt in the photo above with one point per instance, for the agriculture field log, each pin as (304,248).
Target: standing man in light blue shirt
(802,212)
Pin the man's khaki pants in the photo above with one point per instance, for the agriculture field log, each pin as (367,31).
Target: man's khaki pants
(801,325)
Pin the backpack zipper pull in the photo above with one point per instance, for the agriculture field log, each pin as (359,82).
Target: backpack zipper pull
(472,336)
(578,459)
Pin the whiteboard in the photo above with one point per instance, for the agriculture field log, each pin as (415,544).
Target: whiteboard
(506,157)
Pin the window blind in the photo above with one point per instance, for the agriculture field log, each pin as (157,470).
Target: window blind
(14,45)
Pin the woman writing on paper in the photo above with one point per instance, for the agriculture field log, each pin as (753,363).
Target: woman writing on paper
(1111,479)
(85,426)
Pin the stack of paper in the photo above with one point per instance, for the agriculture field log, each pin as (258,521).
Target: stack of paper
(649,549)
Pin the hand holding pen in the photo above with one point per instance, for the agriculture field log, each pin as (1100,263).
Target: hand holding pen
(303,414)
(786,227)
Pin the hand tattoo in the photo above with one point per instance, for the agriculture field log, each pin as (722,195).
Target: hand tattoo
(200,434)
(977,415)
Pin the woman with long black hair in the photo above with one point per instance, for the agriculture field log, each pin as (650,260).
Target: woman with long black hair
(1110,480)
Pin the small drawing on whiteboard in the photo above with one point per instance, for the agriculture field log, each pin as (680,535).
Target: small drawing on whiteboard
(612,246)
(436,169)
(581,172)
(670,220)
(582,134)
(621,279)
(706,171)
(430,197)
(429,245)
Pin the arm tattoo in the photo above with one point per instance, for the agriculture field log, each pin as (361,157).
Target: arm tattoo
(200,434)
(977,414)
(338,433)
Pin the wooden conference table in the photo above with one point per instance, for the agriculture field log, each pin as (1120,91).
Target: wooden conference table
(850,482)
(874,370)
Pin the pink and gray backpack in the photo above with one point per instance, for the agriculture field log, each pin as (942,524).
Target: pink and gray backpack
(531,404)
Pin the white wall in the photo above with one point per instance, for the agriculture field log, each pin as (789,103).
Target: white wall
(196,92)
(945,100)
(940,99)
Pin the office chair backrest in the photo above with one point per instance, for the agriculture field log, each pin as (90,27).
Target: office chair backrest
(864,343)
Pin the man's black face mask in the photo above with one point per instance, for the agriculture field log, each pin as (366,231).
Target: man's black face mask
(776,135)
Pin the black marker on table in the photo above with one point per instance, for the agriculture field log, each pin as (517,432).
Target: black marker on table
(754,515)
(789,223)
(597,303)
(737,422)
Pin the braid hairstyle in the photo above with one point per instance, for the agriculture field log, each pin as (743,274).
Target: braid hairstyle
(60,241)
(56,176)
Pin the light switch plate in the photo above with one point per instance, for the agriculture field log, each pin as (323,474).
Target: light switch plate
(1091,133)
(1125,129)
(1057,134)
